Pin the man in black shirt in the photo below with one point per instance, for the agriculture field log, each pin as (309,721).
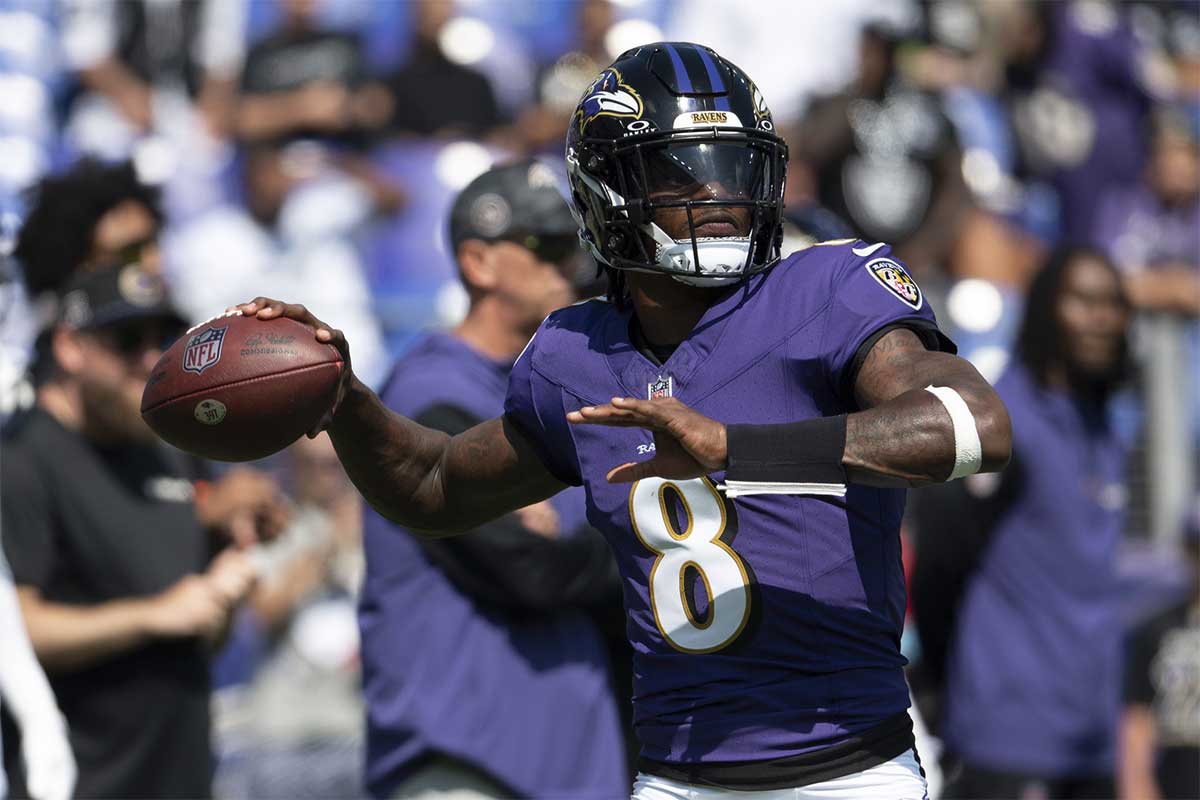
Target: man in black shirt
(103,525)
(304,82)
(434,96)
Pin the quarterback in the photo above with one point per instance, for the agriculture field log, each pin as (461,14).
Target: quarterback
(744,427)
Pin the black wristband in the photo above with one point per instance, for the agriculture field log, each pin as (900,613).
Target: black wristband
(809,451)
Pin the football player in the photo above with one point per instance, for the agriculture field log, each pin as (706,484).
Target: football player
(745,428)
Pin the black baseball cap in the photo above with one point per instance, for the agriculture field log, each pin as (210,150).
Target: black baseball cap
(115,296)
(511,202)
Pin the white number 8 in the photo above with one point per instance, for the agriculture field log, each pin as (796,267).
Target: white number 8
(698,547)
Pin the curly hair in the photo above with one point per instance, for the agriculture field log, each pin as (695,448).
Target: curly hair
(64,209)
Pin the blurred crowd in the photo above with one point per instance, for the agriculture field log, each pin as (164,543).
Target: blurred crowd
(311,150)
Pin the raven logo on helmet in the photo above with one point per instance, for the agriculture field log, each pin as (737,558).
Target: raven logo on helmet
(608,96)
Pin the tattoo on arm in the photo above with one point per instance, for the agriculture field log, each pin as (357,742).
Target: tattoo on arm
(429,481)
(904,436)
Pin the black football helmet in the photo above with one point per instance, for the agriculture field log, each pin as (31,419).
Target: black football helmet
(673,126)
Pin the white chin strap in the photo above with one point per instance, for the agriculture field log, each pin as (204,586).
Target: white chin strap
(722,259)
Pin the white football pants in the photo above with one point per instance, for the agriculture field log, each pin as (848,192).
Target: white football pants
(898,779)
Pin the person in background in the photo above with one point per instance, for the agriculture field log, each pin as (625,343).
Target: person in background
(1034,661)
(292,727)
(46,753)
(559,84)
(84,219)
(432,95)
(304,82)
(1150,231)
(296,230)
(885,158)
(1079,96)
(1159,757)
(151,66)
(113,538)
(503,606)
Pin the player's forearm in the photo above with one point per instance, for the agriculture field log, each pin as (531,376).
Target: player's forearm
(910,440)
(905,436)
(428,481)
(69,637)
(392,461)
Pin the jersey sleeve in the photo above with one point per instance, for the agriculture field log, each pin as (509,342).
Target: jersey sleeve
(870,295)
(28,534)
(535,406)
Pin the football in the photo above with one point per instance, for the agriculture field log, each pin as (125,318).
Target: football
(239,388)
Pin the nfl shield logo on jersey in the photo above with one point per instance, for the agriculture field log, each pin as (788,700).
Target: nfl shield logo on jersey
(661,387)
(203,350)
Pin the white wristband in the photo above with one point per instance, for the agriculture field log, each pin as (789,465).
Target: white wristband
(968,452)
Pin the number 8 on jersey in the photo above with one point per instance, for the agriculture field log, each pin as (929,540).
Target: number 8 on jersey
(696,551)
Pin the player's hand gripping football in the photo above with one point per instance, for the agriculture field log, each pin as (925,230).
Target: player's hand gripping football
(266,308)
(687,444)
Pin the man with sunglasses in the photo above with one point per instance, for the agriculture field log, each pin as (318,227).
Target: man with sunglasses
(112,541)
(516,593)
(744,426)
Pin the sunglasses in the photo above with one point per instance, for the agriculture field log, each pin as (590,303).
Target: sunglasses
(132,253)
(133,338)
(550,249)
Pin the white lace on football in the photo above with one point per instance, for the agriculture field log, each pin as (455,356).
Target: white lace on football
(232,313)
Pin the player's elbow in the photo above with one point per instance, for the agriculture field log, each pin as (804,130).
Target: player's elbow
(995,433)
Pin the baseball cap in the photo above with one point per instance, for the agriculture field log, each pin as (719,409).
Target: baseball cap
(99,298)
(509,202)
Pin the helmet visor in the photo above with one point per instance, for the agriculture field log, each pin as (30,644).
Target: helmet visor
(678,172)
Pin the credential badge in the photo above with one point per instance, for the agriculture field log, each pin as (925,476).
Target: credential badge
(893,277)
(661,387)
(203,350)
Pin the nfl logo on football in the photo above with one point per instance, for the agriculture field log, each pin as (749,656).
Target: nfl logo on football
(661,387)
(203,350)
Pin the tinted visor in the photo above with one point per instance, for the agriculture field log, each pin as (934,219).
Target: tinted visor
(675,172)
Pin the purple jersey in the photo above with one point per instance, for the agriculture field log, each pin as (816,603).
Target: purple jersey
(770,626)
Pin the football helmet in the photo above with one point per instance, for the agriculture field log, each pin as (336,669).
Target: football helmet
(672,131)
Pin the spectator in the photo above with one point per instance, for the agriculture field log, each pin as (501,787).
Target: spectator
(103,526)
(797,51)
(301,81)
(143,65)
(295,233)
(560,84)
(1079,102)
(49,764)
(432,95)
(1033,671)
(1160,727)
(295,728)
(86,218)
(1151,230)
(497,614)
(885,158)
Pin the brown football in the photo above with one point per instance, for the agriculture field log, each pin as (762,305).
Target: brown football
(239,388)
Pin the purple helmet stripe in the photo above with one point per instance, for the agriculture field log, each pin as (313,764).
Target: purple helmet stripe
(714,79)
(681,73)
